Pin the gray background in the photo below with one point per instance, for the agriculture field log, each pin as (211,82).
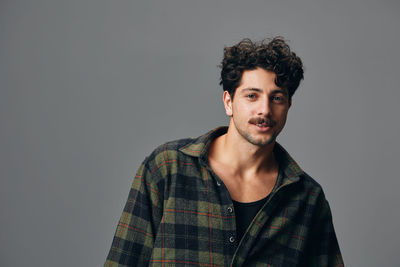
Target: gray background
(89,88)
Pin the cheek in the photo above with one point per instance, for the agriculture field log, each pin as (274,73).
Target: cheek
(283,117)
(280,115)
(242,109)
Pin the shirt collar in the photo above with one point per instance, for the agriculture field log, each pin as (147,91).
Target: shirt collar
(290,169)
(198,147)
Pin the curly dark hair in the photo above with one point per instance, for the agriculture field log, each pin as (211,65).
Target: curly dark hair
(270,54)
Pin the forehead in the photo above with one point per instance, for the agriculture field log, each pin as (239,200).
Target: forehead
(258,79)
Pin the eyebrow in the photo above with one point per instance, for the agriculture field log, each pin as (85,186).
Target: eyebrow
(251,89)
(275,91)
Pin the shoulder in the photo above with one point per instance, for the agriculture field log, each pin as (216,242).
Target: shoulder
(169,149)
(165,155)
(313,190)
(186,149)
(310,182)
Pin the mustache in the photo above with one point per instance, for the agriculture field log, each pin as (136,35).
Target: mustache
(266,121)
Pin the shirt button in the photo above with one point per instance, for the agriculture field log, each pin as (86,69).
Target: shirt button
(231,239)
(230,210)
(218,183)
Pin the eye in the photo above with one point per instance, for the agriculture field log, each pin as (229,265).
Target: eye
(278,99)
(251,96)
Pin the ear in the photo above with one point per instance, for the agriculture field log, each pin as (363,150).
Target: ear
(227,103)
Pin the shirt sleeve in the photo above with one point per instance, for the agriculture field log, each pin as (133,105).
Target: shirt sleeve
(133,241)
(324,248)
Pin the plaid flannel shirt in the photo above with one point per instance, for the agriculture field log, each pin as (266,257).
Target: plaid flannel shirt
(179,213)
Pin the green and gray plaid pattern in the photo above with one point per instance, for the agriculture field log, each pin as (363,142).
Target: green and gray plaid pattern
(179,213)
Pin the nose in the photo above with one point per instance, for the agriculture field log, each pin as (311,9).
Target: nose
(263,108)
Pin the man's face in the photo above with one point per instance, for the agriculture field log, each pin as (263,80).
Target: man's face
(259,108)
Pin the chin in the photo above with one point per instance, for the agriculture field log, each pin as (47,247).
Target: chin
(260,141)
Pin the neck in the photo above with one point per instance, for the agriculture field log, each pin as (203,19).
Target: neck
(242,156)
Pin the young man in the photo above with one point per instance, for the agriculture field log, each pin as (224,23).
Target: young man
(234,196)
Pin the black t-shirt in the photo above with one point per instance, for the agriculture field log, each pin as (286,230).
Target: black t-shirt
(245,213)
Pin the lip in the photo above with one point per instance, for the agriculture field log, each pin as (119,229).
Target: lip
(262,128)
